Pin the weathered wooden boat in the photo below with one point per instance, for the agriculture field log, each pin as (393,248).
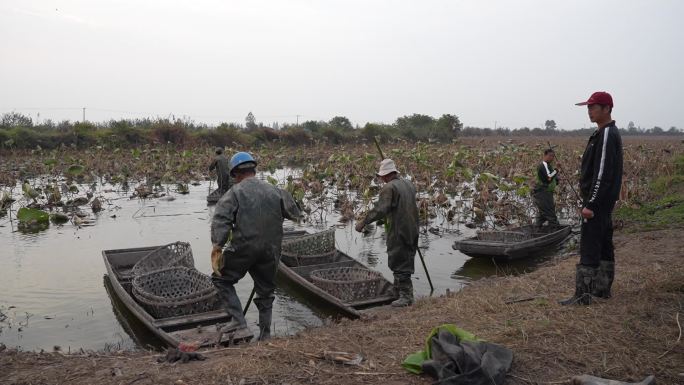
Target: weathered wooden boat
(214,196)
(511,244)
(296,272)
(195,328)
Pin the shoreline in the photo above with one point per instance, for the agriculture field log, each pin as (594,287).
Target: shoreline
(628,337)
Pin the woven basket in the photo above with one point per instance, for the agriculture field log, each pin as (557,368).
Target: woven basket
(502,236)
(175,291)
(171,255)
(313,249)
(348,284)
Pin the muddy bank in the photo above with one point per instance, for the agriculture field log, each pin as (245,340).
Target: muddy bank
(627,337)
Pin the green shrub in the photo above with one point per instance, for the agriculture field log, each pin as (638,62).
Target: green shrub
(165,131)
(296,136)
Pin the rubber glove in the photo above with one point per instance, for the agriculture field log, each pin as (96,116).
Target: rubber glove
(217,259)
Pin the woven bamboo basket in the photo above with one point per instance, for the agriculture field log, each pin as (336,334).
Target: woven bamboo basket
(312,249)
(171,255)
(348,284)
(175,291)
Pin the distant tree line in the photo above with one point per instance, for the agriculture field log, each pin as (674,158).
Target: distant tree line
(18,131)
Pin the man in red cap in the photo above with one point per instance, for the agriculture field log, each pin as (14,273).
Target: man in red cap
(600,182)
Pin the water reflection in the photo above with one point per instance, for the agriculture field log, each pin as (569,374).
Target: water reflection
(57,272)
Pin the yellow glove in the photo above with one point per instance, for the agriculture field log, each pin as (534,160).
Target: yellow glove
(217,259)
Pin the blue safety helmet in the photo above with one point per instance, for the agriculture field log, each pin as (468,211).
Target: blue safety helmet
(241,160)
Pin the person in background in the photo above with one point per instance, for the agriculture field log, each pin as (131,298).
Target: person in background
(545,186)
(222,167)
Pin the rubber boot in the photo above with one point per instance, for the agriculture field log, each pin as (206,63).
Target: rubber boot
(585,281)
(231,303)
(405,292)
(265,306)
(604,280)
(395,287)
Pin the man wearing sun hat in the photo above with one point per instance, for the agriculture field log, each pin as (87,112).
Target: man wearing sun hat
(600,183)
(397,206)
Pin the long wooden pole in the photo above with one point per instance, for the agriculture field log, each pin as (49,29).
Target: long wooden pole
(249,301)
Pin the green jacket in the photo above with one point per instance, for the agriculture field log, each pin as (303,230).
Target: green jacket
(547,178)
(397,206)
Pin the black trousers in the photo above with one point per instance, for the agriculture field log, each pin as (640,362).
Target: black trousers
(596,239)
(546,208)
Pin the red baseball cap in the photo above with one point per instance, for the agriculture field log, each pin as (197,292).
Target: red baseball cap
(599,97)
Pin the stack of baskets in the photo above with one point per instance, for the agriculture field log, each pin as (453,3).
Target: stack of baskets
(167,284)
(349,284)
(313,249)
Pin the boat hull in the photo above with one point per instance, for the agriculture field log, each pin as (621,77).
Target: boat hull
(509,251)
(195,328)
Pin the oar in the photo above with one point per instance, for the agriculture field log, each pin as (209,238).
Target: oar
(422,260)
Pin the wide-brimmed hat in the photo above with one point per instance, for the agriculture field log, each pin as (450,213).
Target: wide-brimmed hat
(387,167)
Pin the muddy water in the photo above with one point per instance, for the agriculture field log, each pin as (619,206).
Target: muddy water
(53,289)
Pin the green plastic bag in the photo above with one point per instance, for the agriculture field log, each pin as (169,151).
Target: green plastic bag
(414,362)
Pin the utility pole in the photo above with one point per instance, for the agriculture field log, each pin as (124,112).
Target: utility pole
(84,114)
(298,120)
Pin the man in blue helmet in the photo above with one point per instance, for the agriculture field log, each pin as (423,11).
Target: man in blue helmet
(250,215)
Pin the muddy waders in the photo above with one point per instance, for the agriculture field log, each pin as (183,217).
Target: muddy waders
(404,287)
(231,303)
(252,214)
(396,205)
(265,307)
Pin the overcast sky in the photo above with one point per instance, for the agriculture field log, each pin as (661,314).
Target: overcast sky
(516,63)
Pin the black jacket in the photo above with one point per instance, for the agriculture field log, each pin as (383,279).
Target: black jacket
(601,172)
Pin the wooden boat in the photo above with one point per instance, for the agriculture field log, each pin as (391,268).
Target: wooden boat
(512,244)
(298,278)
(196,328)
(214,196)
